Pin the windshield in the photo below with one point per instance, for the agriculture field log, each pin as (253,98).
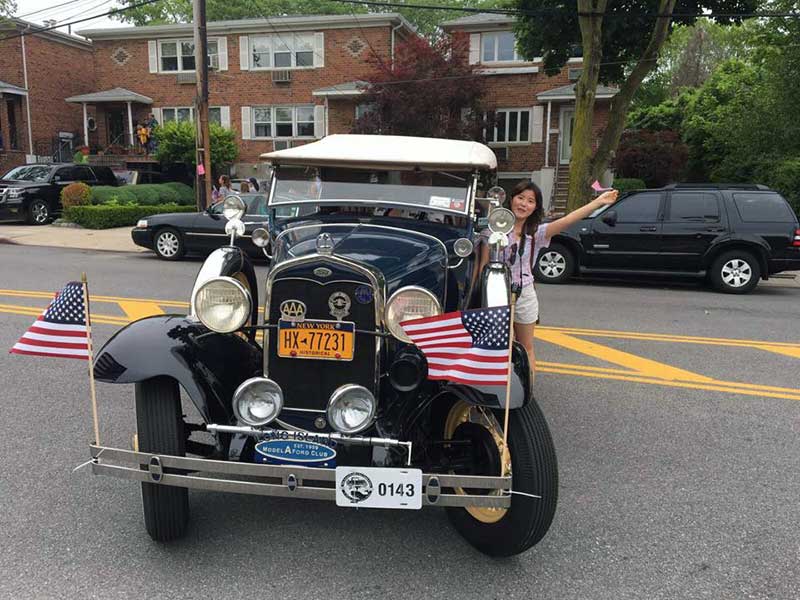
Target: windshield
(434,191)
(29,173)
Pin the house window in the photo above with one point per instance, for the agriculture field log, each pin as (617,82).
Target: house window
(512,126)
(364,109)
(499,47)
(186,113)
(282,51)
(283,121)
(177,56)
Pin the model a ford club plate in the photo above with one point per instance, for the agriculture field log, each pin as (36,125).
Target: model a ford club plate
(325,340)
(376,487)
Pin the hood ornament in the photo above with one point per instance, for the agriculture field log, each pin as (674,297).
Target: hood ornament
(325,244)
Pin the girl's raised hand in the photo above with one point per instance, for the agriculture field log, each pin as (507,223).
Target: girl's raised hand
(608,197)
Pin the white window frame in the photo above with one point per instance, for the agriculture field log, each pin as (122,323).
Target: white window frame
(508,112)
(213,57)
(191,113)
(365,108)
(281,44)
(494,37)
(274,124)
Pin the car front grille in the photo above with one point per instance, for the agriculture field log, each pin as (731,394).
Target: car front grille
(308,383)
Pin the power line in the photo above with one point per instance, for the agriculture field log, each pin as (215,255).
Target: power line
(35,30)
(48,8)
(84,11)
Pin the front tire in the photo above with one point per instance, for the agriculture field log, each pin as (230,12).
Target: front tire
(735,272)
(510,531)
(168,244)
(159,422)
(38,213)
(555,264)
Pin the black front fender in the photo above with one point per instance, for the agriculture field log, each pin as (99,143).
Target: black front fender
(209,366)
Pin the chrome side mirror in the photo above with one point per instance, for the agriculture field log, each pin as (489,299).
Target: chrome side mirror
(260,238)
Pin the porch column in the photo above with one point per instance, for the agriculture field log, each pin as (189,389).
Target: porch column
(85,126)
(547,136)
(130,123)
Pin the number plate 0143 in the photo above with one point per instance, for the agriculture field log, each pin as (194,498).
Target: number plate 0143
(325,340)
(376,487)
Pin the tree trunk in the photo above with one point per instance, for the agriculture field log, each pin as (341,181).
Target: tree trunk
(622,101)
(581,159)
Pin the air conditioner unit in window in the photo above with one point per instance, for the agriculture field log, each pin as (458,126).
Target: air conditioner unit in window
(284,76)
(501,153)
(281,144)
(186,78)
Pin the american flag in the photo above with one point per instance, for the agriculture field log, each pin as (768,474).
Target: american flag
(61,331)
(468,346)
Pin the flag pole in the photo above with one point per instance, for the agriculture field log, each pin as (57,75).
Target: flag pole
(508,382)
(91,357)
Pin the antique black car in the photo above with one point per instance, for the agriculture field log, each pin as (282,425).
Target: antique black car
(325,397)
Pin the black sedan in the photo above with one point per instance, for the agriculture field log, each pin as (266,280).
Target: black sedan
(173,235)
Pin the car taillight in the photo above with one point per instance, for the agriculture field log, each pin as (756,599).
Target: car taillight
(796,241)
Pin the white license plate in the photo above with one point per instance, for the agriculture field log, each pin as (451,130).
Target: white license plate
(376,487)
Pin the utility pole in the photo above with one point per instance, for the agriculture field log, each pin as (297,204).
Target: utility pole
(203,148)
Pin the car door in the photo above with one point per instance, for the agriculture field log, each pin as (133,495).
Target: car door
(207,231)
(692,221)
(630,241)
(61,179)
(85,175)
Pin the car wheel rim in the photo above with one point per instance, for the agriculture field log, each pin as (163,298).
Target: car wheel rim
(477,417)
(737,273)
(40,212)
(552,264)
(167,244)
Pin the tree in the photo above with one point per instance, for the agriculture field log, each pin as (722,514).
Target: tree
(176,144)
(620,43)
(177,11)
(427,91)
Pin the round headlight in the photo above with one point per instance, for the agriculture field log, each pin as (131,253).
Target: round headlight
(501,220)
(222,304)
(260,237)
(351,408)
(496,194)
(462,247)
(257,401)
(233,207)
(409,303)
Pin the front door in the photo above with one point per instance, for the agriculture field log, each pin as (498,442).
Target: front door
(116,127)
(632,242)
(565,140)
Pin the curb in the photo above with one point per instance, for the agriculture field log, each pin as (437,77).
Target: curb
(5,240)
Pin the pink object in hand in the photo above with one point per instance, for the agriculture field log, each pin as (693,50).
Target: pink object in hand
(599,188)
(201,170)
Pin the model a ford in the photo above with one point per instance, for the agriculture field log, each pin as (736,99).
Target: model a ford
(325,396)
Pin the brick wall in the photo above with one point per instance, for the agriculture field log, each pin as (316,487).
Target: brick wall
(11,72)
(236,88)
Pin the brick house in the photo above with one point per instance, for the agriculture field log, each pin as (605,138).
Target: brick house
(276,82)
(534,134)
(36,72)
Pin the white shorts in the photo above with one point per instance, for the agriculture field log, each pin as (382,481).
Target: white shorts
(526,311)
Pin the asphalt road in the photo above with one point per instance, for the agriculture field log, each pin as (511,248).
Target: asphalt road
(665,491)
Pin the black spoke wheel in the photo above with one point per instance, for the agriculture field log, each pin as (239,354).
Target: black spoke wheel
(160,425)
(38,213)
(533,468)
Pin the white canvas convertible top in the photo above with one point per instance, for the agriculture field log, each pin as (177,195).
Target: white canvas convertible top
(388,151)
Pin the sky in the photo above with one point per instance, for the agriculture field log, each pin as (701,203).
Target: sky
(63,11)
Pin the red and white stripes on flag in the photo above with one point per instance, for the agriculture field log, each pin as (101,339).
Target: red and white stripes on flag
(61,330)
(468,346)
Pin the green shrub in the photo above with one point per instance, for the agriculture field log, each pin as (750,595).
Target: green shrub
(105,217)
(75,194)
(626,185)
(784,177)
(149,194)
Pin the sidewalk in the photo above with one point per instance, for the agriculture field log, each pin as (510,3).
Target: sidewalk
(117,239)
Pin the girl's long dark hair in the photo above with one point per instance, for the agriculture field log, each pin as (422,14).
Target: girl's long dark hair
(532,222)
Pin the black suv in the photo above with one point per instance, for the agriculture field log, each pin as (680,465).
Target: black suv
(33,192)
(733,234)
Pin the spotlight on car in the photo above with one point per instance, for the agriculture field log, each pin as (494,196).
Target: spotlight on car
(351,408)
(462,247)
(222,304)
(260,237)
(258,401)
(501,220)
(497,195)
(233,207)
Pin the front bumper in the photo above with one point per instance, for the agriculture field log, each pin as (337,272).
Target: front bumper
(287,481)
(142,237)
